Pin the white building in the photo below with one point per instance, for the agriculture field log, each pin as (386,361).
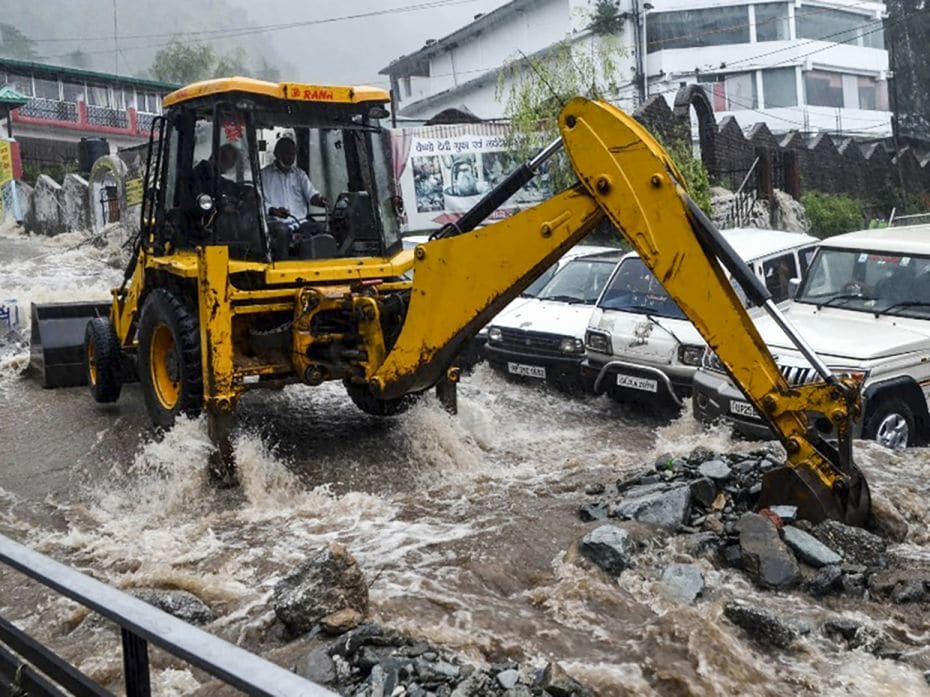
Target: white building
(817,65)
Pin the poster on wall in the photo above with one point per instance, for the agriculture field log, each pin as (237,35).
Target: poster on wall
(442,171)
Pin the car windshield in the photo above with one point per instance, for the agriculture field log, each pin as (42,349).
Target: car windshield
(579,281)
(881,283)
(533,290)
(635,289)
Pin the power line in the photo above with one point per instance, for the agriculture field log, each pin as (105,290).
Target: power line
(245,30)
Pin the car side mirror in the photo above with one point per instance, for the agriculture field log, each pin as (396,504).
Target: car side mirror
(793,285)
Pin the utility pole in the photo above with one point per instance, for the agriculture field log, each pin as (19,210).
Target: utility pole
(115,41)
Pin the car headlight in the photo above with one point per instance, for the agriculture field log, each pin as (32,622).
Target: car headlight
(494,334)
(710,361)
(690,354)
(571,345)
(597,341)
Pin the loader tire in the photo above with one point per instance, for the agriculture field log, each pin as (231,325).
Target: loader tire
(169,359)
(370,404)
(103,360)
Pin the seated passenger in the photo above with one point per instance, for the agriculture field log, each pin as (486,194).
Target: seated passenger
(202,174)
(288,189)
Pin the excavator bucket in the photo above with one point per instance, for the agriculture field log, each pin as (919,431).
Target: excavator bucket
(57,341)
(849,501)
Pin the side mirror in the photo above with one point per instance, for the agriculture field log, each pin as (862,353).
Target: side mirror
(793,285)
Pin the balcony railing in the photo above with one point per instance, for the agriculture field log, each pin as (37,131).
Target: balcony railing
(50,110)
(84,117)
(105,116)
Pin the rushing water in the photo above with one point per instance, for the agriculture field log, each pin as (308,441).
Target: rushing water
(464,525)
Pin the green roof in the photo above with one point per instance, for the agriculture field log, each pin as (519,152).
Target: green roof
(45,70)
(10,97)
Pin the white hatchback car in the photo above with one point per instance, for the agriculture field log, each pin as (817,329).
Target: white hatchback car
(639,345)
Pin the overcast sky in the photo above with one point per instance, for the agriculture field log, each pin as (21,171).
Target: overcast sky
(354,50)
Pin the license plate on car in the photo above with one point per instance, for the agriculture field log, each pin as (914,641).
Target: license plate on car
(529,371)
(635,383)
(743,409)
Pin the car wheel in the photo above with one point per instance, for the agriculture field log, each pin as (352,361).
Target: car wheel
(368,403)
(169,359)
(102,360)
(891,423)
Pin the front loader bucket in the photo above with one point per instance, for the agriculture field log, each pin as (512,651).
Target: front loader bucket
(57,341)
(849,503)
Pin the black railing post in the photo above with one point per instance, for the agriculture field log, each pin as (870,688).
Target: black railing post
(136,665)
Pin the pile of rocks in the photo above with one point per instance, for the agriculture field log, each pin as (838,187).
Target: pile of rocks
(371,661)
(711,498)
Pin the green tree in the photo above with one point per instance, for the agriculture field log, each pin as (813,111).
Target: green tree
(184,63)
(15,44)
(832,214)
(233,63)
(606,18)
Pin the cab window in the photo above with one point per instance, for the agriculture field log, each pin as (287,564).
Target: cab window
(776,274)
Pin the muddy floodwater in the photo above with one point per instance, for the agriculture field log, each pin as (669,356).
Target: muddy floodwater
(464,525)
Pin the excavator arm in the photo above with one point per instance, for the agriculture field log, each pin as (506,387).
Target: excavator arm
(463,278)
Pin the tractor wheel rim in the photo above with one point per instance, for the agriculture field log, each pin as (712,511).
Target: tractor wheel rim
(164,368)
(91,363)
(893,432)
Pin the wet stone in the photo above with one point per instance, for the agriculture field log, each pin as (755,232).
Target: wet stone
(703,491)
(761,626)
(901,585)
(809,549)
(595,489)
(746,466)
(508,678)
(856,635)
(699,455)
(827,580)
(609,547)
(317,666)
(181,604)
(786,513)
(765,556)
(701,544)
(557,683)
(327,583)
(664,506)
(593,511)
(682,582)
(887,520)
(854,544)
(717,470)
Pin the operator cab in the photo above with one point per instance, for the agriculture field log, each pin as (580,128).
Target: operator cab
(208,151)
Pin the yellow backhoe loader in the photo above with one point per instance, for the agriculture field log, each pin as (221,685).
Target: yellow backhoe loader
(217,300)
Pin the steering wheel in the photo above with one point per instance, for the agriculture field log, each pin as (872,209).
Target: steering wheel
(854,288)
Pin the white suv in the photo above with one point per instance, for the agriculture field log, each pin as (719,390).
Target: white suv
(641,348)
(865,308)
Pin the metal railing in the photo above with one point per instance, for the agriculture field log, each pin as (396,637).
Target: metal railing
(37,671)
(740,212)
(50,109)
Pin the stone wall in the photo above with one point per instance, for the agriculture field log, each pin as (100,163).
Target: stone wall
(793,163)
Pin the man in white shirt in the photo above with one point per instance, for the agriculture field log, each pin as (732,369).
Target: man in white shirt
(288,190)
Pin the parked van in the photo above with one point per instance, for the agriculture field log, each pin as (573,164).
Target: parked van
(639,345)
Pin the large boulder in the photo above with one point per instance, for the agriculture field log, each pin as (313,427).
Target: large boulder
(46,206)
(183,605)
(610,547)
(682,582)
(666,506)
(321,590)
(765,556)
(74,212)
(809,549)
(857,546)
(761,626)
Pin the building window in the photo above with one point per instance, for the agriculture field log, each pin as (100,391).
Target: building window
(47,89)
(839,27)
(824,89)
(772,22)
(98,95)
(73,92)
(779,88)
(20,83)
(713,26)
(733,92)
(405,87)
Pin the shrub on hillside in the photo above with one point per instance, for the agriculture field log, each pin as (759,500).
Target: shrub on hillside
(832,214)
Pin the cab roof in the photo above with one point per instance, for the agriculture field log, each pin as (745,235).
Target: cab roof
(285,91)
(914,239)
(754,243)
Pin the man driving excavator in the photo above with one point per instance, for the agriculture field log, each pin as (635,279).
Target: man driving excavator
(288,189)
